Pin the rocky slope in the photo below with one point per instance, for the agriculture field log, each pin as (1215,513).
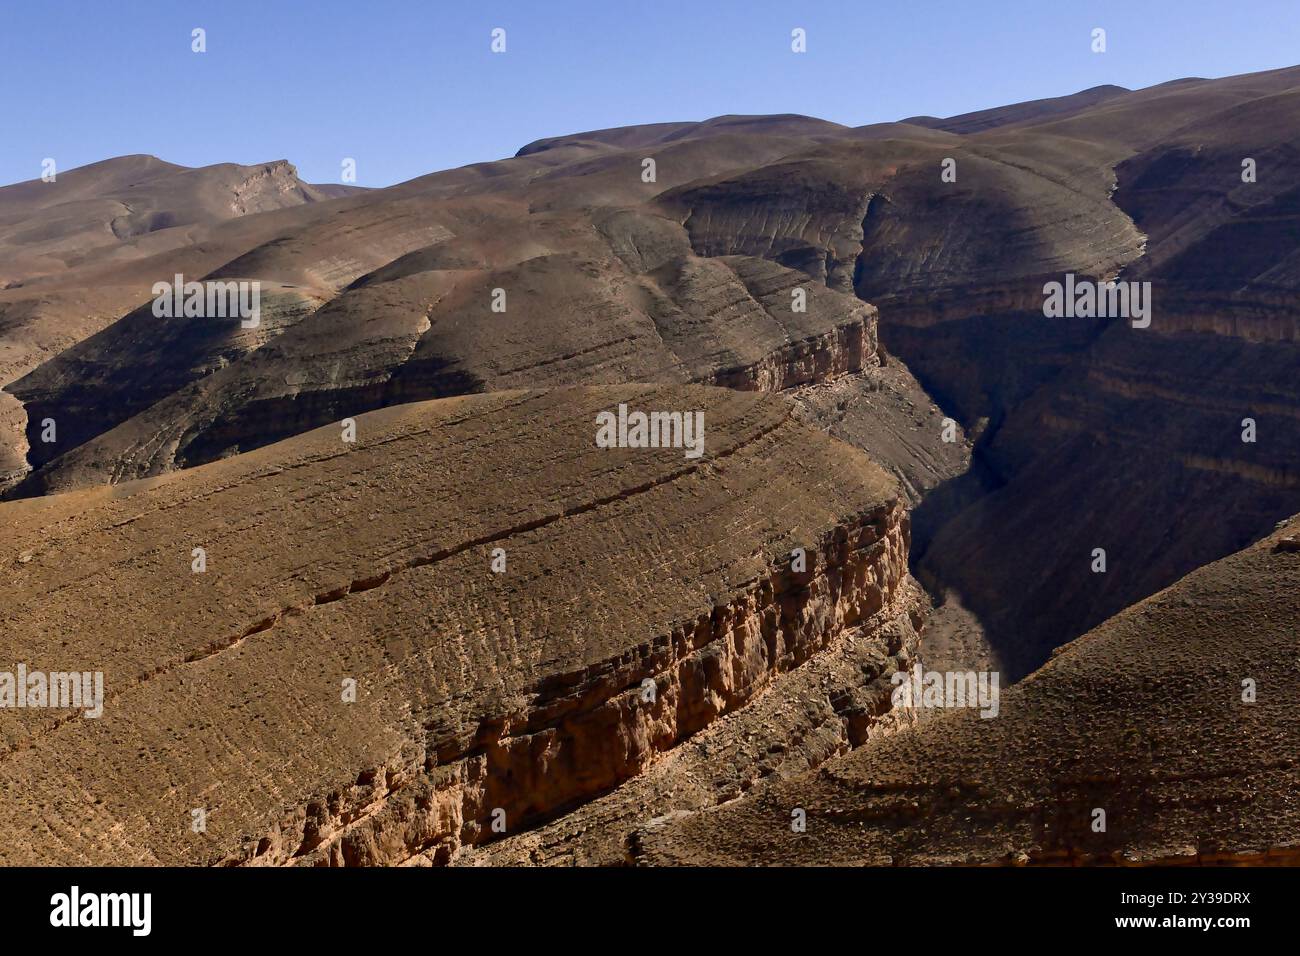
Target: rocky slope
(431,304)
(644,596)
(49,226)
(392,339)
(1114,437)
(568,264)
(1178,719)
(78,252)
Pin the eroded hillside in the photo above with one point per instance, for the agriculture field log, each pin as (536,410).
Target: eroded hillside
(347,680)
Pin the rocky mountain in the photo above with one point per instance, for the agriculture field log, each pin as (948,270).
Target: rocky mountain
(1044,475)
(80,250)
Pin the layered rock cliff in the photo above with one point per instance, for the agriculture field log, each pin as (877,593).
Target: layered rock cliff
(377,691)
(585,732)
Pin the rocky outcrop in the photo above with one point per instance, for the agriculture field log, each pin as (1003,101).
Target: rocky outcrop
(837,700)
(884,412)
(584,733)
(805,214)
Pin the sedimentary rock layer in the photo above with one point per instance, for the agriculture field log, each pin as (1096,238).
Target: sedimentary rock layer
(524,692)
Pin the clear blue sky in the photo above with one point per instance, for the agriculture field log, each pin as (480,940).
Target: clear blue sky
(410,86)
